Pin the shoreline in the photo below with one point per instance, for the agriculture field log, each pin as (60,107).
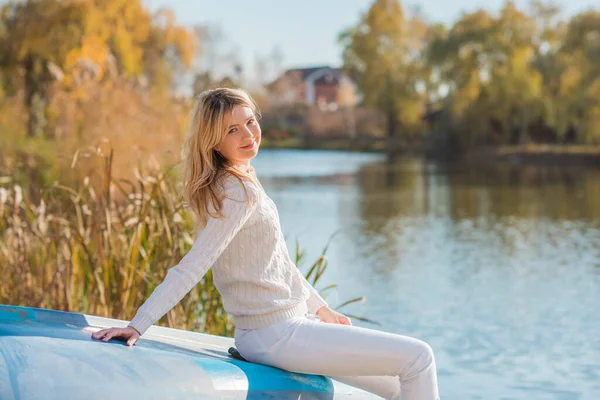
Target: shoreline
(536,154)
(523,154)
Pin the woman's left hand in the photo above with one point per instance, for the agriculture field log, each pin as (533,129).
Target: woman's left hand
(326,314)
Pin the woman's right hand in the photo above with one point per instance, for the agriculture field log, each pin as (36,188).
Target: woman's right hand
(129,333)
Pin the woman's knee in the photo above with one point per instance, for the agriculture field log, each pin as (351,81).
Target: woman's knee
(422,358)
(427,352)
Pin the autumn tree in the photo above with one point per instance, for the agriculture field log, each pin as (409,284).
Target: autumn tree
(486,63)
(577,63)
(74,42)
(383,50)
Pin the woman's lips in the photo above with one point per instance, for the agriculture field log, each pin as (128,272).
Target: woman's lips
(250,146)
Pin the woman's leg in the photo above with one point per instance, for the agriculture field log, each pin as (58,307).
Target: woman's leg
(313,347)
(387,387)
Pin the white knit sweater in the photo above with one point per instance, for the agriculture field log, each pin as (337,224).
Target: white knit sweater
(252,270)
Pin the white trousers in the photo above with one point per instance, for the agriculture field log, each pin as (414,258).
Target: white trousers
(389,365)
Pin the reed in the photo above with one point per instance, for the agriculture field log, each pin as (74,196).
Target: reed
(101,247)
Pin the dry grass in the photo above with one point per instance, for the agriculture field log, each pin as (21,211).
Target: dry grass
(102,246)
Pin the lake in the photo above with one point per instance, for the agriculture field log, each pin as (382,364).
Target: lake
(497,268)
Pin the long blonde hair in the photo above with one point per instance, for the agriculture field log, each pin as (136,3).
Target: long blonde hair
(204,167)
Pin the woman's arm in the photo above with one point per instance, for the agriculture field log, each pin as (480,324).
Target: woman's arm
(319,307)
(207,247)
(315,301)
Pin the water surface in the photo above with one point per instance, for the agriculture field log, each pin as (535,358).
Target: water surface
(497,268)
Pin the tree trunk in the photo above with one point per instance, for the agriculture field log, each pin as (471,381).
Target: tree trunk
(35,97)
(391,124)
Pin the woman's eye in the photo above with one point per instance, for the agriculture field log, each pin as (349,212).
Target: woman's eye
(235,129)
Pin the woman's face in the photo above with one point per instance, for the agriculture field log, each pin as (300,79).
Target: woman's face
(242,136)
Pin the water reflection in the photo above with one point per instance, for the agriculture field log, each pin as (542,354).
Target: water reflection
(497,268)
(554,192)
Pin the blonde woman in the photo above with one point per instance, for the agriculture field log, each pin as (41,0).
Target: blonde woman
(261,287)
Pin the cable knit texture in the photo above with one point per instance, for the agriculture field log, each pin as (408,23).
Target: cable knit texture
(259,283)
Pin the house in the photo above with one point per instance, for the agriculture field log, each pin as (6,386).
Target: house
(323,86)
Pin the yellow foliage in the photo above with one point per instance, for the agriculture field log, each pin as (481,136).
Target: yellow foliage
(381,49)
(82,36)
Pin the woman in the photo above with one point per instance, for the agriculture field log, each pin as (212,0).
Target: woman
(261,287)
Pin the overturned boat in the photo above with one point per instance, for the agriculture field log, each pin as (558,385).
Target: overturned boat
(47,354)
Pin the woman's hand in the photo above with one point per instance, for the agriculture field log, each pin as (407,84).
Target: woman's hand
(326,314)
(130,334)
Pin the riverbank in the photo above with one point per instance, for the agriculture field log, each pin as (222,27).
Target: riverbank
(345,143)
(537,154)
(525,154)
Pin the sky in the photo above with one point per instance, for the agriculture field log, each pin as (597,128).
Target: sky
(305,32)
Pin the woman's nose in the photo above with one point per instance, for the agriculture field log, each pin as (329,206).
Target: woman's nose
(248,132)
